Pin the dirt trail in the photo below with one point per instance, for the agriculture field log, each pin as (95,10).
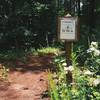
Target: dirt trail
(27,81)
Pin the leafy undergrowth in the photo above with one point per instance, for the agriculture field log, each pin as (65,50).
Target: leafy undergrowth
(86,78)
(85,85)
(46,51)
(3,72)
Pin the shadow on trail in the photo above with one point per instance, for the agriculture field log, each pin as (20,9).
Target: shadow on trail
(34,64)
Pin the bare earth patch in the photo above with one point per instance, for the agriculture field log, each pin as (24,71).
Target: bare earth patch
(27,81)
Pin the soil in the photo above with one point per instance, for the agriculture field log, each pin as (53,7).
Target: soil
(27,81)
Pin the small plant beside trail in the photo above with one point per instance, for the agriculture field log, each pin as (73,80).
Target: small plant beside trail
(45,51)
(3,72)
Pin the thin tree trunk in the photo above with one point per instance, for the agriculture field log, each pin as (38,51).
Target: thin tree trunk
(78,8)
(91,19)
(91,15)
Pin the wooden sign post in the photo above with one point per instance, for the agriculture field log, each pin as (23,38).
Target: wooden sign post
(68,27)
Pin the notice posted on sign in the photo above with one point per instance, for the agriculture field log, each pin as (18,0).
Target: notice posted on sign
(68,28)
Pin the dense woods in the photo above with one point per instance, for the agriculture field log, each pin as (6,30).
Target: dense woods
(33,23)
(35,64)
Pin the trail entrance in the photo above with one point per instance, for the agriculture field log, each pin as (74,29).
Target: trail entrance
(27,81)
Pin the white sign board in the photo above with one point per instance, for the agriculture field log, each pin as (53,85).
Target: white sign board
(68,28)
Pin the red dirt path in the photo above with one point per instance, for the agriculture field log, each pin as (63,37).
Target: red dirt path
(27,81)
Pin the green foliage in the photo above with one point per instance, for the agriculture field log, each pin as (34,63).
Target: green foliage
(26,23)
(33,23)
(4,72)
(48,50)
(7,56)
(11,55)
(53,88)
(82,88)
(93,58)
(74,59)
(45,50)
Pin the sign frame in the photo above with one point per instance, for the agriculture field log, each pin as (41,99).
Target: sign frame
(76,28)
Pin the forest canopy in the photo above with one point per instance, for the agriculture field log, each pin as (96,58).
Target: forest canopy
(33,23)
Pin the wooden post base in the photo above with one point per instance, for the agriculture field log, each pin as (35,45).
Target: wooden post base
(68,48)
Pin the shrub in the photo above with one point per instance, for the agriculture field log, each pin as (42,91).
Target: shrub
(93,58)
(81,88)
